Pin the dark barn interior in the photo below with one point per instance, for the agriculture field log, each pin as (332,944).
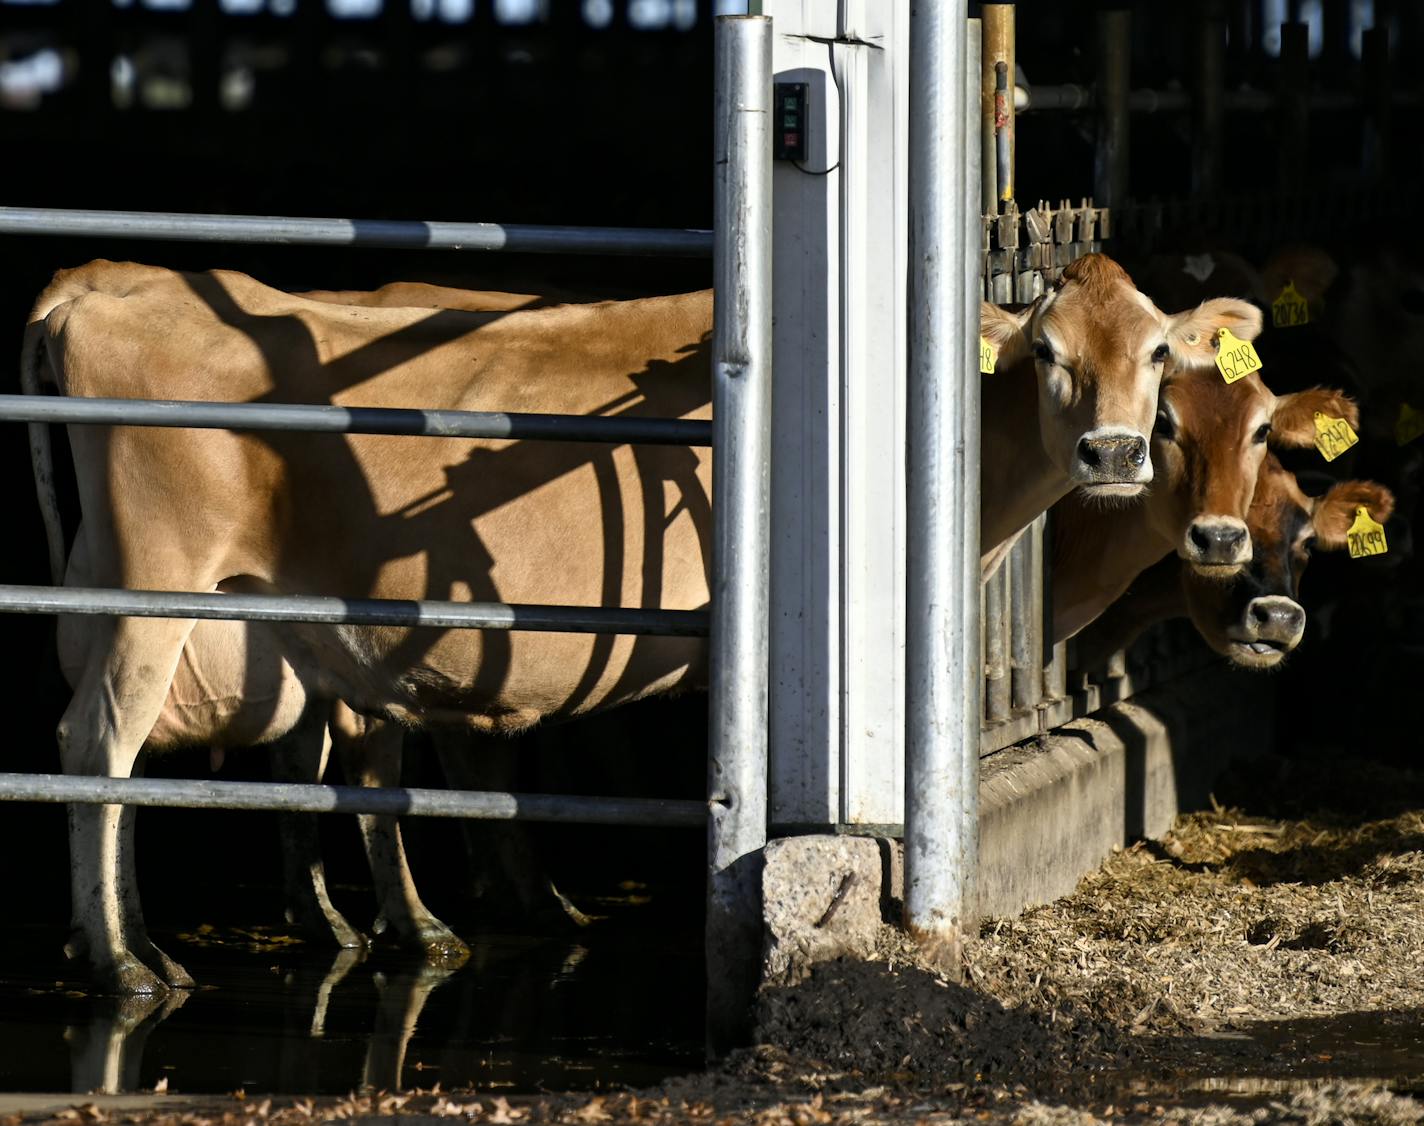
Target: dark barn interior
(595,113)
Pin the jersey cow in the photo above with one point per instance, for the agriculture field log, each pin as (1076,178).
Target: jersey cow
(1207,447)
(362,516)
(1253,619)
(1081,368)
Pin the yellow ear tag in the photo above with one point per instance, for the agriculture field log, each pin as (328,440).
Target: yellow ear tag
(1235,359)
(1333,436)
(1366,537)
(1290,308)
(1409,425)
(988,357)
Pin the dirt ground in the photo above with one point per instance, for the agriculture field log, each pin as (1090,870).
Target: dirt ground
(1263,963)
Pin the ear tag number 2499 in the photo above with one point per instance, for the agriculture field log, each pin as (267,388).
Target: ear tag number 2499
(1235,358)
(1365,536)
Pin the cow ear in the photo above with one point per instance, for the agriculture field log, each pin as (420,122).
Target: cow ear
(1293,422)
(1192,335)
(1335,511)
(1308,268)
(1005,330)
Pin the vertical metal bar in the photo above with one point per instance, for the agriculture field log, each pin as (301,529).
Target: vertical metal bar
(1208,90)
(1293,106)
(997,82)
(1374,59)
(988,171)
(741,436)
(996,646)
(942,470)
(1110,158)
(1027,611)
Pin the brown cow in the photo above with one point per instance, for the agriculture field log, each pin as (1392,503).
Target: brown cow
(1207,448)
(366,516)
(1082,366)
(1252,619)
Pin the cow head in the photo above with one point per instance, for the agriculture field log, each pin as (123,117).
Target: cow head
(1255,620)
(1207,448)
(1100,349)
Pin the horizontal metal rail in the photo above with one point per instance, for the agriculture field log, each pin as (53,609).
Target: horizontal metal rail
(393,233)
(310,419)
(1069,96)
(290,797)
(351,611)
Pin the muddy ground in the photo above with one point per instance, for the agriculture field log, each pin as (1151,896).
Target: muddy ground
(1263,963)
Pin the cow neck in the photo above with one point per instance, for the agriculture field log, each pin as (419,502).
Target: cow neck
(1017,481)
(1098,552)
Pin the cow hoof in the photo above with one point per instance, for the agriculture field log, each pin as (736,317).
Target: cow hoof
(442,949)
(129,977)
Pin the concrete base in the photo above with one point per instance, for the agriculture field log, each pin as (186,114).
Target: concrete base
(1050,810)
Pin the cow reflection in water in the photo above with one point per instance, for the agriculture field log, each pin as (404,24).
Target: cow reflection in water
(106,1053)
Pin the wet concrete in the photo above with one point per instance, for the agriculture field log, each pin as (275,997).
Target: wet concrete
(276,1016)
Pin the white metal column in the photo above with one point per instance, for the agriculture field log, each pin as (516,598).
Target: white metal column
(838,483)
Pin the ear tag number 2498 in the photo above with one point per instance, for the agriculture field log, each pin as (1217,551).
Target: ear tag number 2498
(988,357)
(1235,358)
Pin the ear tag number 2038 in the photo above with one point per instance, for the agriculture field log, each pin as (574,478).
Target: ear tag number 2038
(1235,358)
(1333,436)
(1365,536)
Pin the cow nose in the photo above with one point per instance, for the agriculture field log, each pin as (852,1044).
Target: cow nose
(1116,458)
(1275,619)
(1218,543)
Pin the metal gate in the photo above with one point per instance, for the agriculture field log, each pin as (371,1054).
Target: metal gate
(740,247)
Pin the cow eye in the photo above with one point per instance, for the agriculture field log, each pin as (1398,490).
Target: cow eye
(1163,427)
(1309,545)
(1043,352)
(1262,432)
(1160,354)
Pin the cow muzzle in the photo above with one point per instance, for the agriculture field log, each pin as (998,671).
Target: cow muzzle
(1111,462)
(1217,546)
(1270,627)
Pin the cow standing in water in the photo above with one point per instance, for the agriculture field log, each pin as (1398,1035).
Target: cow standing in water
(414,518)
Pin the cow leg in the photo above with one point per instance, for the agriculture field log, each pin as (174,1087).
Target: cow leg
(134,926)
(114,708)
(502,857)
(301,756)
(370,753)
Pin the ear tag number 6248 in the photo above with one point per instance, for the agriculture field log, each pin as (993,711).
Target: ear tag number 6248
(1235,358)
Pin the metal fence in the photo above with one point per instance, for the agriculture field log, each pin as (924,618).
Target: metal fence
(735,810)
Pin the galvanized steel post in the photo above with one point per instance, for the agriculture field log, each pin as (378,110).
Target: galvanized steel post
(942,660)
(1110,159)
(996,94)
(741,419)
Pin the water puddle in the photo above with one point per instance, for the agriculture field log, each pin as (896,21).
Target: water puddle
(274,1017)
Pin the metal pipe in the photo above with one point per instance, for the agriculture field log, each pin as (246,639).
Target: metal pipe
(1071,97)
(988,170)
(392,233)
(1292,106)
(942,656)
(996,646)
(997,84)
(1027,614)
(1209,86)
(1375,69)
(617,429)
(1110,160)
(741,540)
(351,611)
(179,793)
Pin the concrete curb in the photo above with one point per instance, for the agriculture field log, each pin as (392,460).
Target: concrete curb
(1051,809)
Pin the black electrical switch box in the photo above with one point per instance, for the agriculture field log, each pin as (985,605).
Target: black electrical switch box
(789,120)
